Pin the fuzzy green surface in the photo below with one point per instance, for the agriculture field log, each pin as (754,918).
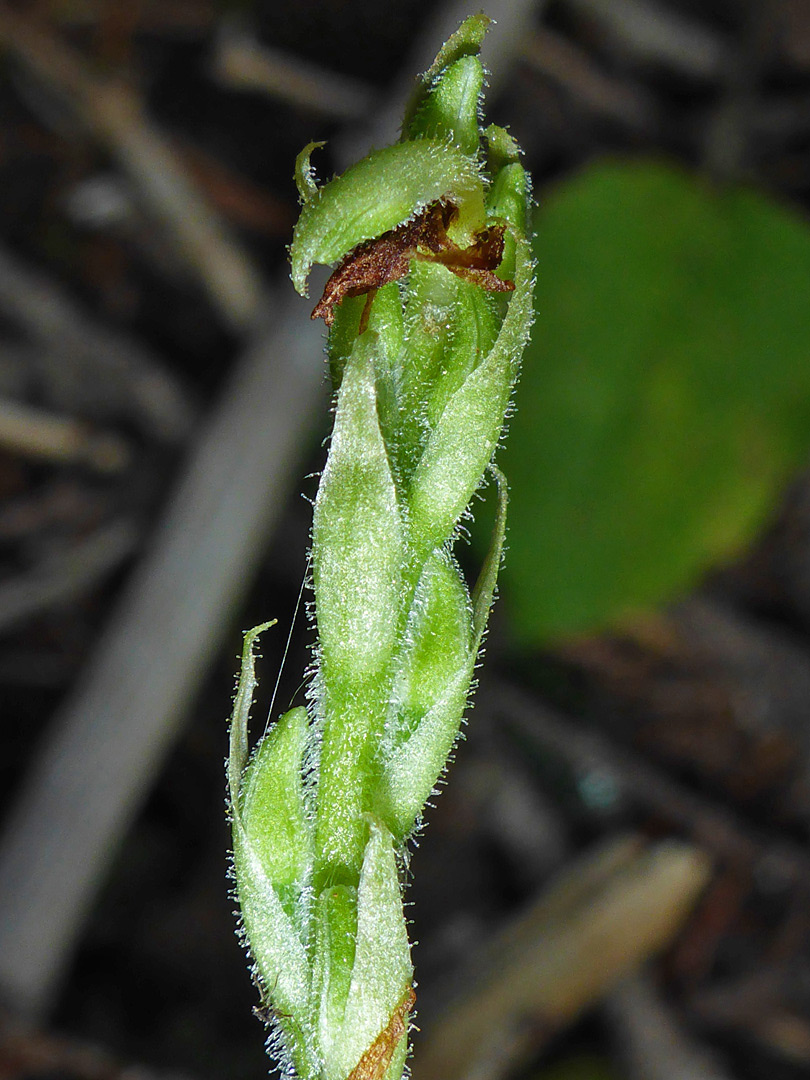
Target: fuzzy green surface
(423,371)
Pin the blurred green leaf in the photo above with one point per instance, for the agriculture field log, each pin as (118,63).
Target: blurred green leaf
(666,394)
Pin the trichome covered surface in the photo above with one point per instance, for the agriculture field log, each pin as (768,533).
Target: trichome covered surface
(428,311)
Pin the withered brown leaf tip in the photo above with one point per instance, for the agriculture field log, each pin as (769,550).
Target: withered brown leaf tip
(387,258)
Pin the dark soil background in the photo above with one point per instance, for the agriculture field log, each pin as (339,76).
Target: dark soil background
(699,721)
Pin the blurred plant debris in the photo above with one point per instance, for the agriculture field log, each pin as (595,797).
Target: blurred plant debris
(616,882)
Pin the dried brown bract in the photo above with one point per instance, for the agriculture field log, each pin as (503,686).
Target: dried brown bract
(373,1065)
(388,257)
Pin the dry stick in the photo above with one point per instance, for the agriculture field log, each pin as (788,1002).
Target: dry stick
(574,70)
(68,574)
(659,34)
(107,744)
(133,381)
(512,20)
(39,434)
(185,19)
(727,140)
(651,1043)
(603,917)
(60,502)
(26,1050)
(113,113)
(105,747)
(713,826)
(243,63)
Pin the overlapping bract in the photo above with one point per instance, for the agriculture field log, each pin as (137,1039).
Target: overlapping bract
(424,370)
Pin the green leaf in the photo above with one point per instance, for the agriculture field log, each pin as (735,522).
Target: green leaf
(386,321)
(382,965)
(666,398)
(431,295)
(508,198)
(380,192)
(342,335)
(474,326)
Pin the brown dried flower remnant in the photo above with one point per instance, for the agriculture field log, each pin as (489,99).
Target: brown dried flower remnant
(388,257)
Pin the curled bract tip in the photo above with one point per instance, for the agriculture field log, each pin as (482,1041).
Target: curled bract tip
(304,175)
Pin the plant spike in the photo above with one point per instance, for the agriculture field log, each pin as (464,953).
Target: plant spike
(429,311)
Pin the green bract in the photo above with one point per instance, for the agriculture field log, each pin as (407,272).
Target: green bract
(423,362)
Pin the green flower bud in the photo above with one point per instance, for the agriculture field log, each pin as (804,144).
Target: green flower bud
(462,443)
(272,803)
(357,532)
(417,753)
(450,110)
(355,1010)
(466,41)
(272,930)
(358,558)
